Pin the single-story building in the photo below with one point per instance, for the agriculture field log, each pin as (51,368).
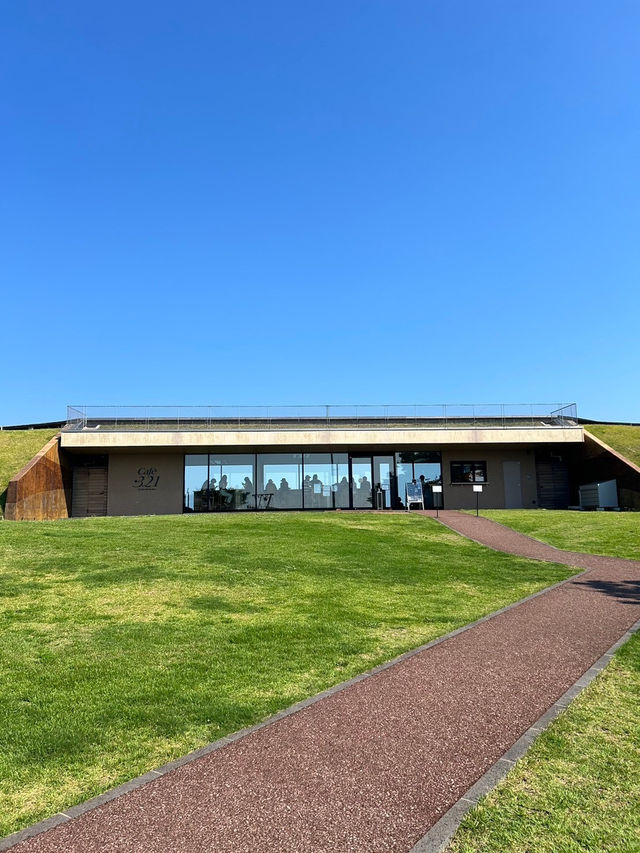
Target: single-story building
(157,460)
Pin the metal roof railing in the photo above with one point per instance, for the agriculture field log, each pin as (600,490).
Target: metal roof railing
(417,416)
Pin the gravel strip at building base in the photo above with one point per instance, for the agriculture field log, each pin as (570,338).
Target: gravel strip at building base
(373,766)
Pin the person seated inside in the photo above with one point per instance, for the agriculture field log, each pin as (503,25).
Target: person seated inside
(247,487)
(208,491)
(224,496)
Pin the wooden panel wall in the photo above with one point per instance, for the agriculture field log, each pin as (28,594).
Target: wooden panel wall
(42,490)
(89,491)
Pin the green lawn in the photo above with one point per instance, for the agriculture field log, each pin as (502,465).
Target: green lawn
(616,534)
(17,447)
(624,439)
(128,642)
(578,788)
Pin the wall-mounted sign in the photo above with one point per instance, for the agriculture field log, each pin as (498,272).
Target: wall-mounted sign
(436,489)
(477,488)
(148,478)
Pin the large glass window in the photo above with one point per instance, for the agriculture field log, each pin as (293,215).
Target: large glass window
(196,482)
(235,481)
(231,478)
(361,482)
(340,480)
(382,478)
(404,475)
(425,467)
(318,476)
(429,474)
(279,481)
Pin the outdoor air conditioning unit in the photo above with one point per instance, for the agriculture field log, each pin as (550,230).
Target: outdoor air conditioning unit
(599,495)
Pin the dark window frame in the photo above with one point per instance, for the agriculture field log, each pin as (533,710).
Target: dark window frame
(474,465)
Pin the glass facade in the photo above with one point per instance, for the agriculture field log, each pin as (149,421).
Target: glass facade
(196,483)
(383,479)
(361,478)
(279,481)
(216,482)
(318,481)
(423,466)
(340,483)
(231,479)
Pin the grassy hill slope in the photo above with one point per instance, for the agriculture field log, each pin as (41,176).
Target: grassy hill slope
(126,642)
(615,534)
(17,447)
(624,439)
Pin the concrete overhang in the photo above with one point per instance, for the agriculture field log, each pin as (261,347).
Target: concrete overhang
(93,440)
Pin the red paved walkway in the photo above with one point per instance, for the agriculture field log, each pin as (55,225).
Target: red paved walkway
(502,538)
(373,767)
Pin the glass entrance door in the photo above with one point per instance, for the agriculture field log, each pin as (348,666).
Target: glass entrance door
(372,482)
(383,476)
(361,480)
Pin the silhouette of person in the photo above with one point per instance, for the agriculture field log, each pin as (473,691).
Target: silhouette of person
(245,495)
(226,498)
(211,493)
(342,493)
(365,491)
(271,487)
(427,495)
(286,497)
(306,485)
(315,492)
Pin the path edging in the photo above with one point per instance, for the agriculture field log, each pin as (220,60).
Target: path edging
(437,839)
(42,826)
(443,522)
(533,539)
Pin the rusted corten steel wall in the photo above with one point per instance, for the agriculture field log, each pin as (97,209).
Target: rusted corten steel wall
(42,490)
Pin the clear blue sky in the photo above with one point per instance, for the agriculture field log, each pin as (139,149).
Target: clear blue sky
(303,202)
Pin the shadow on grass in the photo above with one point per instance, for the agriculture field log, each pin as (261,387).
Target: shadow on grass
(219,604)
